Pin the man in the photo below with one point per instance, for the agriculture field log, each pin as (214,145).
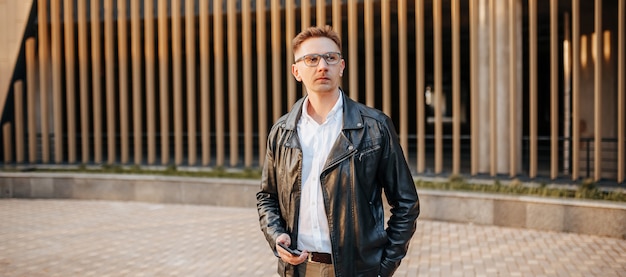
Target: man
(328,161)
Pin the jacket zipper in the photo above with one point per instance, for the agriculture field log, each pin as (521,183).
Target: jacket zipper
(376,147)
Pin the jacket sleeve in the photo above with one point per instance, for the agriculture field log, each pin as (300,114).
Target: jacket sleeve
(401,194)
(270,218)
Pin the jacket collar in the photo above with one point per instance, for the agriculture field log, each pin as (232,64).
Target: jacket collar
(351,114)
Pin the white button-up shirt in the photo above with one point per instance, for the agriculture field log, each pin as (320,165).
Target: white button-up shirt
(316,141)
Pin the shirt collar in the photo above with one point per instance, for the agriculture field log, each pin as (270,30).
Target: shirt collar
(335,112)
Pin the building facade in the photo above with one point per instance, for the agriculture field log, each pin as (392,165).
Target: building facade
(501,89)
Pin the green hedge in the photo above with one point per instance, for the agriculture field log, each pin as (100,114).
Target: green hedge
(586,189)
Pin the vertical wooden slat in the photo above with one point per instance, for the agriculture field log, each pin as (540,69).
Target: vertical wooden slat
(276,59)
(554,90)
(337,22)
(31,96)
(44,75)
(321,12)
(567,94)
(420,84)
(137,88)
(532,87)
(110,78)
(575,88)
(83,62)
(385,30)
(233,119)
(70,72)
(96,79)
(18,99)
(621,93)
(305,14)
(474,21)
(218,49)
(368,14)
(246,34)
(456,87)
(150,80)
(337,16)
(122,52)
(261,51)
(438,84)
(8,144)
(205,84)
(150,64)
(190,46)
(353,51)
(598,93)
(57,106)
(177,81)
(492,88)
(403,57)
(513,88)
(164,80)
(290,32)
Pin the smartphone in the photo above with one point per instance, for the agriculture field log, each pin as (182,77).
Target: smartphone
(294,252)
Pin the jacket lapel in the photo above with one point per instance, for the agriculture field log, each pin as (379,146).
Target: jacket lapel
(349,139)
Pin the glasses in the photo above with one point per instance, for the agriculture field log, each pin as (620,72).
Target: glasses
(314,59)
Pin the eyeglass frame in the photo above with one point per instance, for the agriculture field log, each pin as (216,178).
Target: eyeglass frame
(324,56)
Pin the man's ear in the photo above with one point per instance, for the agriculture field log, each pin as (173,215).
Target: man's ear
(295,73)
(343,67)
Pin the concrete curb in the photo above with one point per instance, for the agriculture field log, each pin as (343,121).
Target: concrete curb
(601,218)
(120,187)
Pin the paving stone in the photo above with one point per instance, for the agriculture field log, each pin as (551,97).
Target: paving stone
(107,238)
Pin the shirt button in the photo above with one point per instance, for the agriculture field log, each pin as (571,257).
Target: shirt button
(350,147)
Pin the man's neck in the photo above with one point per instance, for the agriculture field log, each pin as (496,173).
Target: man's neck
(320,104)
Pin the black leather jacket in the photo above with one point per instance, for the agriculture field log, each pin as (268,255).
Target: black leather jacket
(365,160)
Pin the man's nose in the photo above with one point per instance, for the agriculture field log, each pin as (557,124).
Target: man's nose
(323,63)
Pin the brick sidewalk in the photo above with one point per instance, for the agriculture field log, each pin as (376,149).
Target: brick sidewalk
(99,238)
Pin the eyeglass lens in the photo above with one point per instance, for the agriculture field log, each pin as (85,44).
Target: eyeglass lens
(314,59)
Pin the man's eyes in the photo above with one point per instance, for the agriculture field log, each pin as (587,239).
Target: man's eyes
(312,59)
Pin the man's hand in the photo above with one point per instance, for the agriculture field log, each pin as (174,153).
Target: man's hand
(286,256)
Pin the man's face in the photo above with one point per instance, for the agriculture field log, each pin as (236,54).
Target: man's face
(323,77)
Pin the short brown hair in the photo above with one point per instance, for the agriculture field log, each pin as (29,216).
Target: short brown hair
(314,32)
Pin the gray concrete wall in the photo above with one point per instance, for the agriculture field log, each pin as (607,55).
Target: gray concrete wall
(599,218)
(143,188)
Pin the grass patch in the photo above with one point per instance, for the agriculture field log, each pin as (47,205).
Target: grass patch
(586,189)
(161,171)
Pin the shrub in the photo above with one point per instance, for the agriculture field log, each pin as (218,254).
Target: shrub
(586,189)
